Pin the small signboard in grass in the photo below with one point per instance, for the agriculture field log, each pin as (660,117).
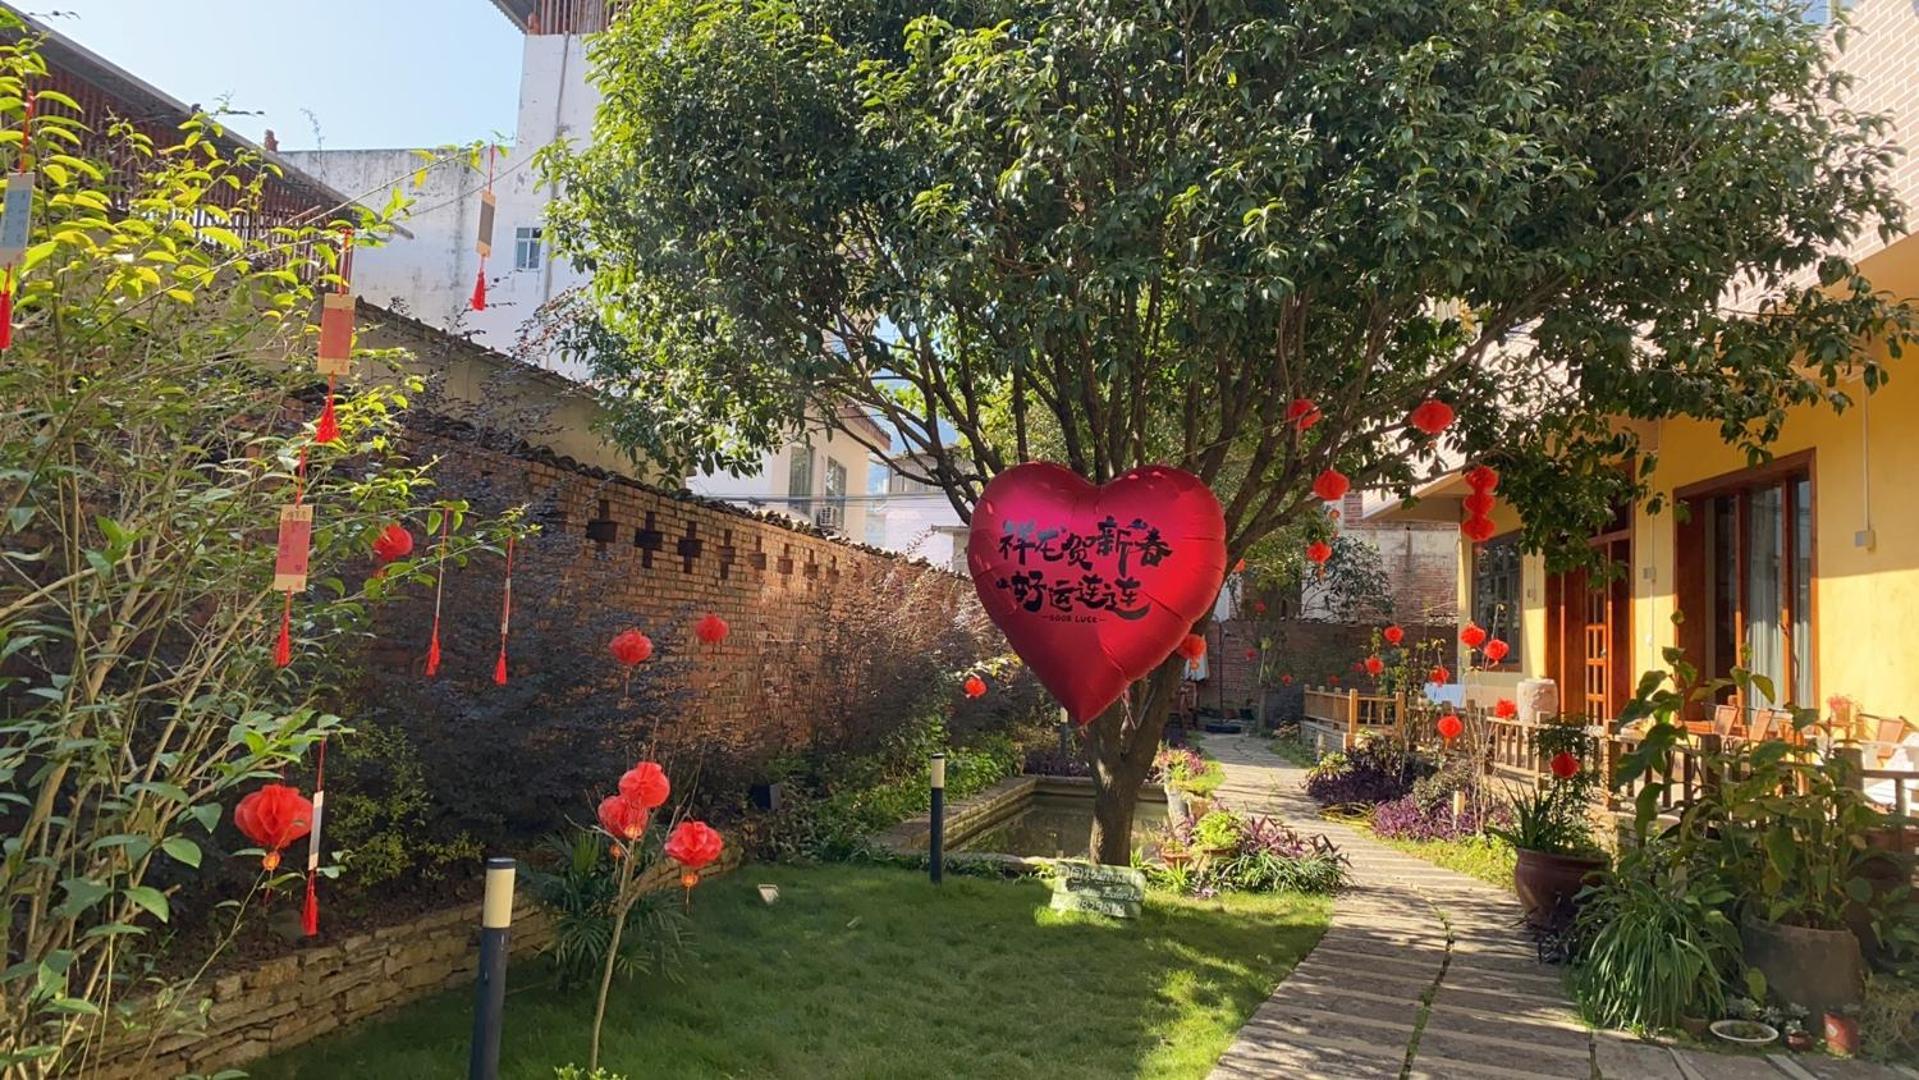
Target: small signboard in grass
(1105,890)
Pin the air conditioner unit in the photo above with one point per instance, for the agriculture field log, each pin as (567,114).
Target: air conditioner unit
(830,516)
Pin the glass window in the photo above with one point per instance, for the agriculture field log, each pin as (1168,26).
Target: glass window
(1497,575)
(835,479)
(1758,581)
(799,479)
(526,247)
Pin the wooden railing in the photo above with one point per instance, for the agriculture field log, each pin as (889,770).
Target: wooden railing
(1510,751)
(1337,719)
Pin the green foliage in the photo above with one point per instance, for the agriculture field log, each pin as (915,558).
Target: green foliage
(1487,858)
(378,810)
(578,884)
(1557,819)
(1185,769)
(1789,834)
(1656,943)
(1218,830)
(146,451)
(1889,1018)
(574,1072)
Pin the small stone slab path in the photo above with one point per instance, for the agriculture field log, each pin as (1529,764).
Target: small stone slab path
(1427,973)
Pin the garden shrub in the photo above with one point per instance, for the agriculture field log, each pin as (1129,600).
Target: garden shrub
(1425,813)
(379,813)
(1374,772)
(1239,853)
(1889,1018)
(1654,943)
(576,881)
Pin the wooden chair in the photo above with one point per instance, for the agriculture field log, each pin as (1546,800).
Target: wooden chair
(1765,725)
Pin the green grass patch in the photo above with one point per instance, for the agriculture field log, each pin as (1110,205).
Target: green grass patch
(1294,749)
(1484,857)
(871,971)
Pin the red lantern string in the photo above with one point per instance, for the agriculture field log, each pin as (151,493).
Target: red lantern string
(485,243)
(1303,413)
(310,913)
(1432,416)
(1331,486)
(439,592)
(506,616)
(16,234)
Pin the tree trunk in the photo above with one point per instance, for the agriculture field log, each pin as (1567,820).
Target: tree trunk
(1123,741)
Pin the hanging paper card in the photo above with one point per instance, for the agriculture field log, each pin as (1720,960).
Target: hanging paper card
(313,838)
(485,245)
(296,539)
(16,217)
(335,356)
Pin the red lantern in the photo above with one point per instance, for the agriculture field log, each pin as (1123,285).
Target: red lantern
(1564,765)
(1478,529)
(1252,653)
(1239,567)
(1439,676)
(624,818)
(1259,607)
(1319,551)
(1393,634)
(394,542)
(975,686)
(1449,727)
(1286,679)
(1483,478)
(1374,665)
(1505,708)
(1477,503)
(1192,647)
(1331,486)
(1473,636)
(1302,413)
(273,817)
(1432,416)
(1496,651)
(1332,680)
(711,629)
(646,784)
(630,647)
(693,844)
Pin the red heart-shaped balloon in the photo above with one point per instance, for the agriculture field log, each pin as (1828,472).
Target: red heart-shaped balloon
(1094,586)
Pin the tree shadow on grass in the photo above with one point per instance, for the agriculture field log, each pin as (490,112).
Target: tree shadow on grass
(874,972)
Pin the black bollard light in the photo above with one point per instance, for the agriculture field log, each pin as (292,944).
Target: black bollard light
(489,997)
(936,840)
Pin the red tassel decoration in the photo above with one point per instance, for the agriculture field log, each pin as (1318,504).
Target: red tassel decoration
(328,429)
(439,592)
(310,913)
(479,291)
(6,312)
(506,616)
(483,243)
(283,649)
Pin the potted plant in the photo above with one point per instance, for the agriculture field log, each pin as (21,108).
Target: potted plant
(1556,855)
(1217,834)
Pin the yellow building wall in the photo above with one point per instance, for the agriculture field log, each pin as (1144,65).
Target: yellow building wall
(1865,473)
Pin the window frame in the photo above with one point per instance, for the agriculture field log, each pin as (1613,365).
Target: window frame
(529,247)
(1510,627)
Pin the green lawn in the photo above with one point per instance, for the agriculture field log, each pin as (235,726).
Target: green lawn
(1488,859)
(870,972)
(1294,749)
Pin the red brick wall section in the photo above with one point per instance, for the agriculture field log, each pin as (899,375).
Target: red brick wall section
(830,644)
(1309,650)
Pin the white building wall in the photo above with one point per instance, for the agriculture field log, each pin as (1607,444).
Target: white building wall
(768,487)
(430,275)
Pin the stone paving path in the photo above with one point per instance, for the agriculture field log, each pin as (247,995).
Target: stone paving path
(1426,973)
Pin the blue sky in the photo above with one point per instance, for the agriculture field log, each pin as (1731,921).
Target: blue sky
(375,73)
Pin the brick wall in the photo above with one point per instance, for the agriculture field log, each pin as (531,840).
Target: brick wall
(278,1004)
(1882,54)
(831,644)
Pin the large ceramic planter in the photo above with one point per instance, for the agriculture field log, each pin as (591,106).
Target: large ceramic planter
(1546,883)
(1819,969)
(1175,803)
